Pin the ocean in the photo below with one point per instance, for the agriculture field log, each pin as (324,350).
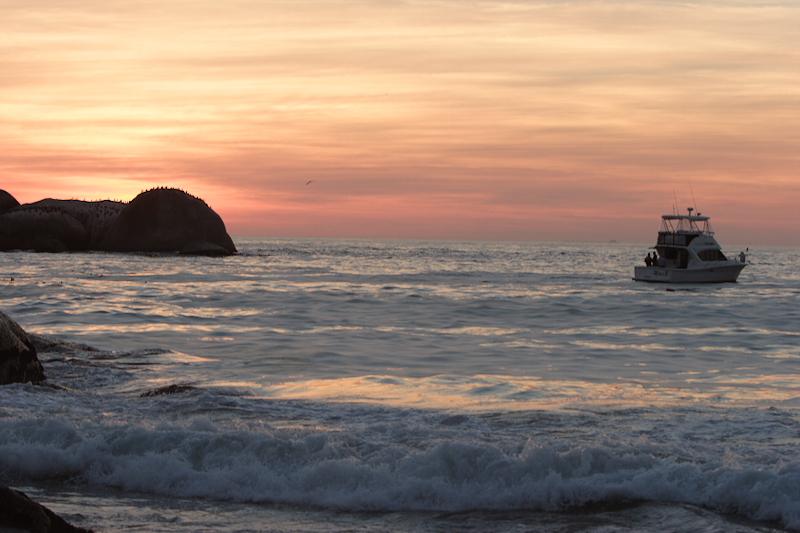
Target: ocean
(395,386)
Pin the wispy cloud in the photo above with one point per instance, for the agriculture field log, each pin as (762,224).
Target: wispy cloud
(512,118)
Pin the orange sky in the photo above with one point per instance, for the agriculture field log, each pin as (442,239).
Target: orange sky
(445,119)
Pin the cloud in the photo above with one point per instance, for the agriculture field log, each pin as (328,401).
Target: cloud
(489,111)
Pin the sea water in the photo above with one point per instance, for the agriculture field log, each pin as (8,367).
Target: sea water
(354,385)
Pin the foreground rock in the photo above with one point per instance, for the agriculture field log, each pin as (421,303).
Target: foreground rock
(158,220)
(18,512)
(18,360)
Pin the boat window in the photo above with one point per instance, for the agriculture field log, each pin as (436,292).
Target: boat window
(677,239)
(671,238)
(668,253)
(711,255)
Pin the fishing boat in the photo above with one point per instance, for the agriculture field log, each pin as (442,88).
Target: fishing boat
(687,252)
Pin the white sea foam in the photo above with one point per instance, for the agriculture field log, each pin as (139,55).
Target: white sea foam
(400,461)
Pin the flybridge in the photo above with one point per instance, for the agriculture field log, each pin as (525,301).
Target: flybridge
(692,224)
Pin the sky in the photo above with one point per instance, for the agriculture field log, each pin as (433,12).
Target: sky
(516,120)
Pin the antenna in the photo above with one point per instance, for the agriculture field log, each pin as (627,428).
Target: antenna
(675,205)
(693,200)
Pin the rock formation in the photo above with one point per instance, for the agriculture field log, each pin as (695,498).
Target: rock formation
(18,361)
(44,230)
(7,201)
(19,513)
(158,220)
(165,220)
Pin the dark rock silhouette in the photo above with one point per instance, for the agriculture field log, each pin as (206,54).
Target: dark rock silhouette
(167,220)
(158,220)
(96,218)
(7,201)
(18,360)
(27,227)
(56,225)
(19,513)
(204,248)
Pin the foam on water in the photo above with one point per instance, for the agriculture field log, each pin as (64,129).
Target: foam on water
(212,444)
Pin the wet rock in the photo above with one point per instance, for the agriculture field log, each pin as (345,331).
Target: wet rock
(19,513)
(167,220)
(170,389)
(18,360)
(45,344)
(204,248)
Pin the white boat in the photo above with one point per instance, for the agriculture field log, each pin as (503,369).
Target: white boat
(686,252)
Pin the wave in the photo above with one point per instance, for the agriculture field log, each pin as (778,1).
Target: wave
(391,467)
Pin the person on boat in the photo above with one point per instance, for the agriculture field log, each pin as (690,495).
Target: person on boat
(648,260)
(662,261)
(742,257)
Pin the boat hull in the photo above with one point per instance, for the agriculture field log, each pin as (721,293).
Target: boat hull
(725,273)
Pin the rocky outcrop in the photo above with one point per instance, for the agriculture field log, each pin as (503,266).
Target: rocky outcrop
(18,360)
(166,220)
(158,220)
(19,513)
(57,225)
(95,218)
(7,201)
(43,230)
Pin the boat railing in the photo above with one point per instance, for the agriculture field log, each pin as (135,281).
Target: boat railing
(686,225)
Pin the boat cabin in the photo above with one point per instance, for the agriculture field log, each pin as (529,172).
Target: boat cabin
(684,239)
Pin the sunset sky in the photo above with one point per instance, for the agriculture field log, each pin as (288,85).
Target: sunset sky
(439,119)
